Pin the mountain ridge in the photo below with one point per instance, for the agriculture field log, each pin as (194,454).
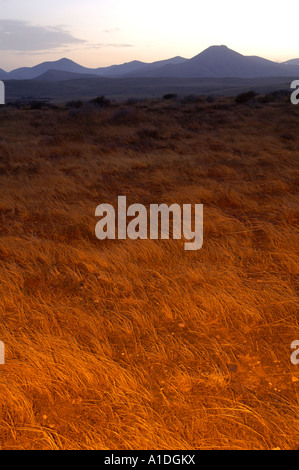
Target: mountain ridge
(220,61)
(214,62)
(67,65)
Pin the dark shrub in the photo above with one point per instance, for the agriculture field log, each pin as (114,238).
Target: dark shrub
(100,101)
(245,97)
(37,104)
(170,96)
(14,104)
(275,96)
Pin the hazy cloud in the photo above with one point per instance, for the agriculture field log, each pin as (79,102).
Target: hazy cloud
(112,30)
(21,36)
(94,46)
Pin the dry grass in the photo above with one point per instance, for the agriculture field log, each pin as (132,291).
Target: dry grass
(139,344)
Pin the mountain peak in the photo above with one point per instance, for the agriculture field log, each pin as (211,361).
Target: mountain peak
(218,49)
(215,53)
(222,46)
(64,60)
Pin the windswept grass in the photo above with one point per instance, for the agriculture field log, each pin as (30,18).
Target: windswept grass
(140,344)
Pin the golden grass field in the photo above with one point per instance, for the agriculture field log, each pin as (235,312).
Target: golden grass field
(140,344)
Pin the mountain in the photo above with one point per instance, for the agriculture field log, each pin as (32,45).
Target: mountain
(213,62)
(136,67)
(291,62)
(145,68)
(119,70)
(220,61)
(53,75)
(3,74)
(65,65)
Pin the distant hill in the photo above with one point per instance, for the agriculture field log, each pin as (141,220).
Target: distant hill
(120,70)
(67,65)
(220,61)
(136,67)
(3,74)
(213,62)
(61,75)
(152,67)
(291,62)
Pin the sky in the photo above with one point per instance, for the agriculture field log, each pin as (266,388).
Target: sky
(98,33)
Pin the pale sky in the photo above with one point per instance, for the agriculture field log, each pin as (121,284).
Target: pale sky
(99,33)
